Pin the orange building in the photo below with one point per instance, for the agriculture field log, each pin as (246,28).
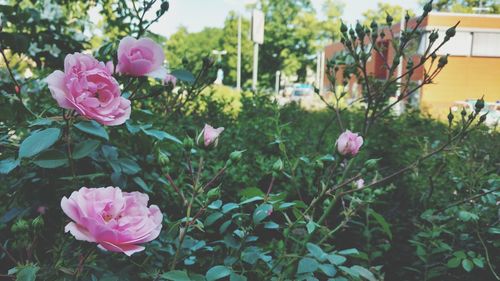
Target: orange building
(473,68)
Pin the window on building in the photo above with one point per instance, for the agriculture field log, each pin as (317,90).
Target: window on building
(459,45)
(486,44)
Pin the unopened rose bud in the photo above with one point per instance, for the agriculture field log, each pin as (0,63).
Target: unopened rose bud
(371,164)
(428,7)
(236,155)
(443,61)
(450,32)
(278,166)
(213,194)
(433,36)
(407,17)
(210,136)
(463,112)
(483,118)
(382,34)
(165,6)
(17,89)
(374,26)
(389,19)
(450,117)
(188,143)
(343,28)
(479,104)
(38,222)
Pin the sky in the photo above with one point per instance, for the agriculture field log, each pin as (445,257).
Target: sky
(197,14)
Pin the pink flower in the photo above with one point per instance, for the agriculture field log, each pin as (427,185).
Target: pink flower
(360,183)
(141,57)
(349,143)
(86,85)
(210,135)
(118,221)
(169,78)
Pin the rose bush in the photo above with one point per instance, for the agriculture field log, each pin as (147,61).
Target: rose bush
(287,194)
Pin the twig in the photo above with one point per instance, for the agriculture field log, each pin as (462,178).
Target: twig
(487,256)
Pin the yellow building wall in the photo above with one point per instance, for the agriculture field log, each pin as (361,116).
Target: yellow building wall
(463,78)
(466,21)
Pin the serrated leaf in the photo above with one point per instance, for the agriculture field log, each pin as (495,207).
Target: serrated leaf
(336,259)
(328,269)
(39,141)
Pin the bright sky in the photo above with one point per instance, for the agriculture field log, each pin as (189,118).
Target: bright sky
(197,14)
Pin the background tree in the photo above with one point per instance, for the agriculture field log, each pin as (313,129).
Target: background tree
(379,14)
(466,6)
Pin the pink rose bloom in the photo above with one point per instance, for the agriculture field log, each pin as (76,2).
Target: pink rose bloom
(118,221)
(86,85)
(360,183)
(210,135)
(349,143)
(169,78)
(141,57)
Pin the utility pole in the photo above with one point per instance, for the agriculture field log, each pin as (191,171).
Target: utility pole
(255,65)
(257,38)
(238,64)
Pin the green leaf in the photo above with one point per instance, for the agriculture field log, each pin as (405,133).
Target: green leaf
(311,226)
(271,225)
(41,122)
(7,165)
(349,252)
(467,216)
(161,135)
(382,222)
(467,265)
(176,275)
(140,182)
(229,207)
(307,265)
(224,226)
(237,277)
(453,262)
(38,141)
(84,148)
(217,272)
(215,205)
(213,218)
(50,159)
(92,128)
(328,269)
(27,273)
(336,259)
(364,272)
(262,212)
(129,166)
(184,75)
(316,251)
(479,262)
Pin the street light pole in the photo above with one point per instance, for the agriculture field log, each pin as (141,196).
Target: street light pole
(255,65)
(238,66)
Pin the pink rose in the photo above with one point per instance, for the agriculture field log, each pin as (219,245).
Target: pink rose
(86,85)
(210,135)
(169,78)
(349,143)
(118,221)
(141,57)
(360,183)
